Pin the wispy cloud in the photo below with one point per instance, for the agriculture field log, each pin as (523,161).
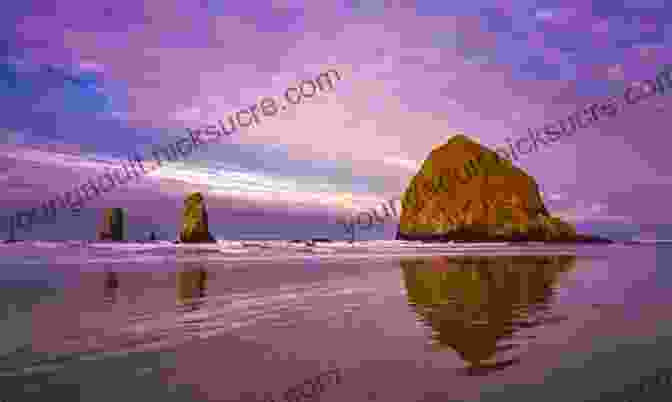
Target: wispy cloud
(88,65)
(544,14)
(615,72)
(225,182)
(554,196)
(405,163)
(593,212)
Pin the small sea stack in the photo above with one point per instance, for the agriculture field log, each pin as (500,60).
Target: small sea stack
(113,225)
(195,221)
(12,231)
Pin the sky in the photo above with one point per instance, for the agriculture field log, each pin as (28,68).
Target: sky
(84,84)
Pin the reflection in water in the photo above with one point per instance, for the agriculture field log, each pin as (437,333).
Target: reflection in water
(111,286)
(191,287)
(474,303)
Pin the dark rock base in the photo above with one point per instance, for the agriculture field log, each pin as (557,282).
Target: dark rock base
(197,238)
(479,237)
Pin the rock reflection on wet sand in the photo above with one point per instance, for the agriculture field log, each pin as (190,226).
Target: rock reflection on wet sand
(190,286)
(476,305)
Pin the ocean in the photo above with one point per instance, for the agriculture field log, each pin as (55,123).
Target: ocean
(399,321)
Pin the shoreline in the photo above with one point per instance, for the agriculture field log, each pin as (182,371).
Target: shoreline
(461,238)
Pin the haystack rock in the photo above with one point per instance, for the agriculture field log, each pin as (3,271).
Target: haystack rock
(466,192)
(195,221)
(113,225)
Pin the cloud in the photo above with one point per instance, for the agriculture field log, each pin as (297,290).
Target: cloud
(598,207)
(399,94)
(226,182)
(56,159)
(556,16)
(594,212)
(615,72)
(555,196)
(22,65)
(405,163)
(644,4)
(544,14)
(91,66)
(601,27)
(190,115)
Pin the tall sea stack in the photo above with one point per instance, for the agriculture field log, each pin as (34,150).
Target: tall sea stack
(466,192)
(195,221)
(113,225)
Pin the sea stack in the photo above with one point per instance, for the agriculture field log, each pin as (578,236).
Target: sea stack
(466,192)
(113,225)
(12,231)
(195,221)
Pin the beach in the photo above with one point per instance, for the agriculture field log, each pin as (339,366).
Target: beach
(401,321)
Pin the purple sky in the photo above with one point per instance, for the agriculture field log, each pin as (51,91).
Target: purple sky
(83,84)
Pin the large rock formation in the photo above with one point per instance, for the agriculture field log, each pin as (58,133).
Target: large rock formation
(195,221)
(466,192)
(113,225)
